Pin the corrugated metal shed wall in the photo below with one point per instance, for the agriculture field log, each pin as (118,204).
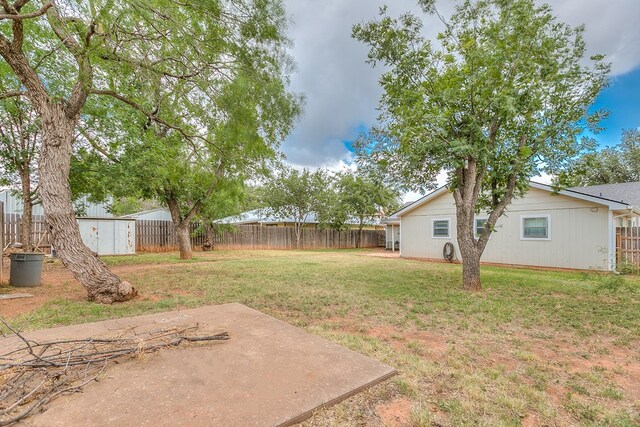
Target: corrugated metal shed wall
(109,236)
(13,205)
(161,214)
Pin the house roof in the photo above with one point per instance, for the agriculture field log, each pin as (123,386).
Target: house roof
(626,192)
(148,211)
(577,192)
(262,216)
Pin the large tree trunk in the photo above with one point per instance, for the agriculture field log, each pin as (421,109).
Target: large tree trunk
(101,284)
(471,272)
(469,251)
(298,232)
(359,237)
(184,241)
(470,248)
(181,224)
(26,222)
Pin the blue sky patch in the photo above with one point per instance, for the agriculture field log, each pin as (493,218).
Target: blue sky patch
(622,100)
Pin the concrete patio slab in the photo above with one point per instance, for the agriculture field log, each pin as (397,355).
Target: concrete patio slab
(268,374)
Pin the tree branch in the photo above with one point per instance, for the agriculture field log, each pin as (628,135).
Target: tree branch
(97,146)
(19,17)
(152,116)
(11,94)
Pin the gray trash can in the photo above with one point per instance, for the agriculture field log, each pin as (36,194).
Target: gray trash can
(26,269)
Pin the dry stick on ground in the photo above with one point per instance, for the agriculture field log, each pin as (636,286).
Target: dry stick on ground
(34,373)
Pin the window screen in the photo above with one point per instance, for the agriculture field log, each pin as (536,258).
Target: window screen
(535,228)
(480,222)
(441,228)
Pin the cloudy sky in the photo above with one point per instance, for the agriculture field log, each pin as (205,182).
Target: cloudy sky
(342,91)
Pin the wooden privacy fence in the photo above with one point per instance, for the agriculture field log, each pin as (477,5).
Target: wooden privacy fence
(261,237)
(628,245)
(39,233)
(159,236)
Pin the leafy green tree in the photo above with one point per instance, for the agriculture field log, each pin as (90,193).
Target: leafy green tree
(362,197)
(616,164)
(296,195)
(245,119)
(66,54)
(20,141)
(503,96)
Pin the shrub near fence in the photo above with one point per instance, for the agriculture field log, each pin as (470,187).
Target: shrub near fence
(159,236)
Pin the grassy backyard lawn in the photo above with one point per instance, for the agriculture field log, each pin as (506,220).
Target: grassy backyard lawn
(534,348)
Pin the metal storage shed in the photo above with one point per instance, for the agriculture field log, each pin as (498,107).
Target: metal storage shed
(109,236)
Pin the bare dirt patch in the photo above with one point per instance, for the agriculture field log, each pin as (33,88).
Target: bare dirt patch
(435,346)
(396,413)
(58,282)
(620,364)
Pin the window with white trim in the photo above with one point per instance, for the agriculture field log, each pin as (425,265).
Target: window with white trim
(479,226)
(535,227)
(440,228)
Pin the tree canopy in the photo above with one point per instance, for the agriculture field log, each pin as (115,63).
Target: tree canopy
(615,164)
(360,197)
(297,195)
(163,62)
(500,96)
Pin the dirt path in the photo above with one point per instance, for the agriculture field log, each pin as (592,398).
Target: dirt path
(58,282)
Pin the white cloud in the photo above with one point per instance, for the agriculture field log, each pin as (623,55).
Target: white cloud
(342,91)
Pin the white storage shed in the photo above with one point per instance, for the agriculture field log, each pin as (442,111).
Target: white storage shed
(109,236)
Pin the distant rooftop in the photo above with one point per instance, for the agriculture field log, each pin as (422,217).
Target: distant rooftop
(626,192)
(262,216)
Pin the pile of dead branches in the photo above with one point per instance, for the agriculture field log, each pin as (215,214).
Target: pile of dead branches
(33,373)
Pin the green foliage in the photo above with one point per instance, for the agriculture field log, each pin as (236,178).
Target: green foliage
(205,117)
(20,140)
(616,164)
(294,194)
(89,175)
(626,267)
(503,87)
(195,91)
(358,196)
(131,204)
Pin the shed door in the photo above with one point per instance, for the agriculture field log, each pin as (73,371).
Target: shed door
(89,233)
(106,238)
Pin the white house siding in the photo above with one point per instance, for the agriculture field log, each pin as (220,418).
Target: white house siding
(579,232)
